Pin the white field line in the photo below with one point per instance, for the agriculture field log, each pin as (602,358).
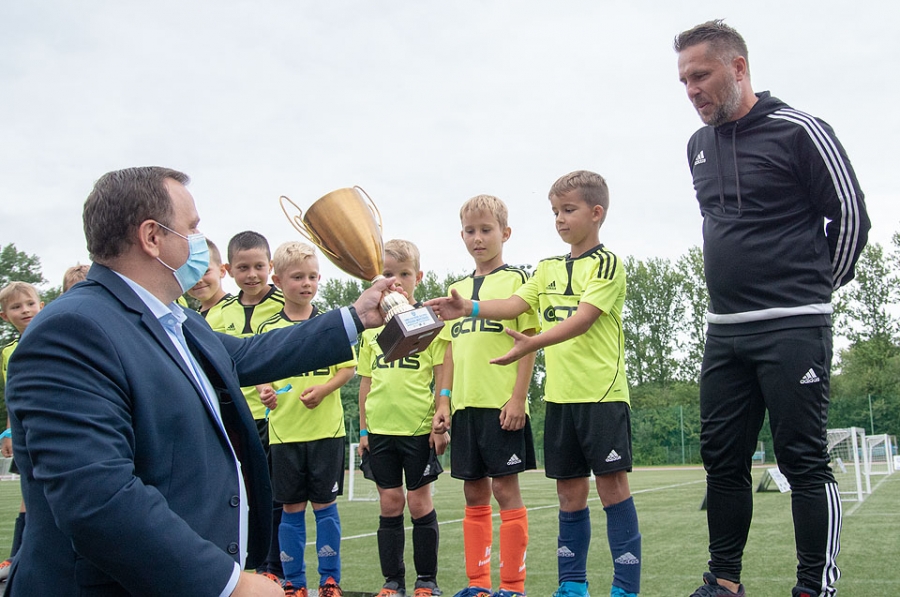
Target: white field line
(858,505)
(497,514)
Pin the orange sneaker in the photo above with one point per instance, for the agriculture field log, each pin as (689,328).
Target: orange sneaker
(427,589)
(391,589)
(330,589)
(292,591)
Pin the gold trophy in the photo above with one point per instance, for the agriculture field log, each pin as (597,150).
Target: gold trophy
(346,226)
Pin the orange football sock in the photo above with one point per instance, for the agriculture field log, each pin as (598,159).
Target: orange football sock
(513,544)
(478,534)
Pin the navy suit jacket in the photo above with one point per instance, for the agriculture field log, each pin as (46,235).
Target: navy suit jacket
(129,483)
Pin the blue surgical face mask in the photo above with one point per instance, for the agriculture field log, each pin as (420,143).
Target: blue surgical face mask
(197,261)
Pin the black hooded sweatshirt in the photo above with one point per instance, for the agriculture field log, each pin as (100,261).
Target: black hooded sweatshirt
(784,219)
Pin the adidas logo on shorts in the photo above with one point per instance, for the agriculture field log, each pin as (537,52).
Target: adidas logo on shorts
(627,558)
(335,488)
(427,470)
(285,557)
(613,456)
(565,552)
(326,552)
(513,460)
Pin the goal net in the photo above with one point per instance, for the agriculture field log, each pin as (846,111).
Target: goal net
(880,453)
(849,462)
(359,488)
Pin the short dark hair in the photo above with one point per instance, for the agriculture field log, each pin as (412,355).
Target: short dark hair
(120,201)
(724,41)
(592,186)
(246,240)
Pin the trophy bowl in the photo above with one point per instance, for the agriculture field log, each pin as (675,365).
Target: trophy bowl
(346,225)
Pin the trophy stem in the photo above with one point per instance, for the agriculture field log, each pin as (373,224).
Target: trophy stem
(392,302)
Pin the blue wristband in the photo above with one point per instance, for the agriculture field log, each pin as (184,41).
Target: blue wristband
(7,433)
(445,392)
(475,309)
(363,432)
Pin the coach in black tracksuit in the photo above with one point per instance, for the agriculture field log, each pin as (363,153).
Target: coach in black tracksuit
(783,224)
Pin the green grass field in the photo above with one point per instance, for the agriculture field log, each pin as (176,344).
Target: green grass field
(673,527)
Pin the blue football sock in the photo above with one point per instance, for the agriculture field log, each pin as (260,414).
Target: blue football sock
(328,543)
(573,543)
(625,545)
(292,538)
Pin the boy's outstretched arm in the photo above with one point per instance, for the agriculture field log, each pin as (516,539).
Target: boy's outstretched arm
(576,325)
(455,306)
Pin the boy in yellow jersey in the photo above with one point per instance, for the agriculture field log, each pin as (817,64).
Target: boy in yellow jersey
(588,424)
(249,262)
(396,406)
(209,289)
(19,303)
(306,435)
(492,439)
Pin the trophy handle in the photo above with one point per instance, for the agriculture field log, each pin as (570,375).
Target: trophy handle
(371,205)
(298,224)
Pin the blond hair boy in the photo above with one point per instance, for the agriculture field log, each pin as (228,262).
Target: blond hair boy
(396,406)
(492,435)
(19,303)
(74,275)
(306,433)
(208,290)
(587,427)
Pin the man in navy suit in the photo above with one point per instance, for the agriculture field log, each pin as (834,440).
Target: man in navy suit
(141,466)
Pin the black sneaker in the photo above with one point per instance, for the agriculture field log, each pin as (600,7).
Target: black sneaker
(712,588)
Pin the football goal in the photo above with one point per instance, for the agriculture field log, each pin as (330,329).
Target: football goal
(849,462)
(359,488)
(880,450)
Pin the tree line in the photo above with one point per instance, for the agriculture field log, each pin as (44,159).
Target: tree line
(665,323)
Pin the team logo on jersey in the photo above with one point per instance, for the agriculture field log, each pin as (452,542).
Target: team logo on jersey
(470,325)
(700,159)
(810,377)
(552,313)
(565,552)
(613,456)
(513,460)
(627,558)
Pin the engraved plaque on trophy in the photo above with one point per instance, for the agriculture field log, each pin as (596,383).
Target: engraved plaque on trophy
(346,226)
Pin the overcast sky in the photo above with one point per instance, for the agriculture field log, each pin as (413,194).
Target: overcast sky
(423,104)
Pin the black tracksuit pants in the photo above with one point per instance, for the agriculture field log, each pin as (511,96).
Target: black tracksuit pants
(787,372)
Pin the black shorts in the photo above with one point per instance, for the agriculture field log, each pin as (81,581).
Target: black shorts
(308,471)
(481,448)
(392,456)
(584,437)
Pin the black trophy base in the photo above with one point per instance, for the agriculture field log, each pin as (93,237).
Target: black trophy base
(409,333)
